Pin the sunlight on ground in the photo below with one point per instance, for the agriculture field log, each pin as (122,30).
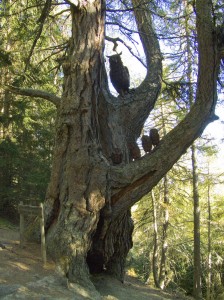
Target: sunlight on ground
(20,266)
(79,290)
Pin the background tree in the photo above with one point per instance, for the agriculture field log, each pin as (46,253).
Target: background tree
(26,135)
(180,262)
(90,193)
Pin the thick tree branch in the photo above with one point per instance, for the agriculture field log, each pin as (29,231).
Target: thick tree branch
(35,93)
(147,93)
(134,180)
(133,109)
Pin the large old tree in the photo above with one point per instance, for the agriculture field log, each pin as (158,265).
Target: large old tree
(88,201)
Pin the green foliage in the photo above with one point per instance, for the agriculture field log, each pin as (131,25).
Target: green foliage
(4,223)
(186,280)
(27,59)
(139,263)
(180,233)
(25,158)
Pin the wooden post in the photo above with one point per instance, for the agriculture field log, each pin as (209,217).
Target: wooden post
(21,228)
(33,211)
(43,243)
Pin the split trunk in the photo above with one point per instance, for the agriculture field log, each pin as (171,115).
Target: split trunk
(94,180)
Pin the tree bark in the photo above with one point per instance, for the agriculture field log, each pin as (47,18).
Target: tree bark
(79,186)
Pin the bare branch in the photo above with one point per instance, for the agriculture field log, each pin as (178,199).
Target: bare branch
(119,10)
(121,26)
(115,40)
(35,93)
(41,20)
(126,9)
(60,13)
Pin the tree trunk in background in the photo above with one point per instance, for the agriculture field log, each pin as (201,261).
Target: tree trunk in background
(162,273)
(209,295)
(197,247)
(155,265)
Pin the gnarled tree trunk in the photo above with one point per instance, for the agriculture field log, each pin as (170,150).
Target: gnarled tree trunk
(79,184)
(91,191)
(94,181)
(94,133)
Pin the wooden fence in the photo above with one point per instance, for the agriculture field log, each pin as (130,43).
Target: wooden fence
(32,210)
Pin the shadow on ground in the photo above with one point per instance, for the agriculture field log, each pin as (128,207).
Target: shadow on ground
(23,276)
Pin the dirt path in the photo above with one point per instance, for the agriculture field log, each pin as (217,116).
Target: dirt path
(23,276)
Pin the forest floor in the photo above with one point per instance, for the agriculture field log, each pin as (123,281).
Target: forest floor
(23,276)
